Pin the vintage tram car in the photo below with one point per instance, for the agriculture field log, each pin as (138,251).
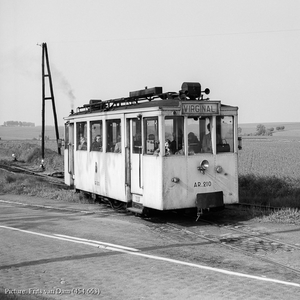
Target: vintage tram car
(155,150)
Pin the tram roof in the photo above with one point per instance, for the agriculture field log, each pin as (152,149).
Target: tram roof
(100,106)
(151,98)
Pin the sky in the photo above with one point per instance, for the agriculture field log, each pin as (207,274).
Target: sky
(247,52)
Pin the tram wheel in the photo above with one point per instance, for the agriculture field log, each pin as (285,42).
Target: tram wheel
(147,212)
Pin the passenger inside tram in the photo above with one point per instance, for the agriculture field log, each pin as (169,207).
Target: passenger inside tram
(83,144)
(194,144)
(137,143)
(137,140)
(167,147)
(118,145)
(174,136)
(206,142)
(97,144)
(172,145)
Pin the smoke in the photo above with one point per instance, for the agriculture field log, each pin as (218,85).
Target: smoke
(72,98)
(61,82)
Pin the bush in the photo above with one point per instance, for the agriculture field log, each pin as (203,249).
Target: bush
(270,191)
(9,178)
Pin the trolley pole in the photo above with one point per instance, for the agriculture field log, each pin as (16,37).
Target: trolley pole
(44,98)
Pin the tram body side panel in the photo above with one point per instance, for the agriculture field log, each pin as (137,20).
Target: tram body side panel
(82,179)
(227,180)
(100,173)
(67,175)
(106,174)
(175,195)
(152,182)
(113,176)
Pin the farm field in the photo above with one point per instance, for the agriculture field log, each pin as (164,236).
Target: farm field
(28,133)
(272,156)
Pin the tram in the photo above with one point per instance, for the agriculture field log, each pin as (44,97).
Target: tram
(155,150)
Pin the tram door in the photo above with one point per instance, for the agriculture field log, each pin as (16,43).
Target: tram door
(136,150)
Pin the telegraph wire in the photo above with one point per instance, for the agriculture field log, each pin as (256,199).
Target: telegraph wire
(182,36)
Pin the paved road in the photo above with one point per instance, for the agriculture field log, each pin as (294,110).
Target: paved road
(52,250)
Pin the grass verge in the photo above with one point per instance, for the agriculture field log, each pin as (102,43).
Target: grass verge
(20,184)
(269,191)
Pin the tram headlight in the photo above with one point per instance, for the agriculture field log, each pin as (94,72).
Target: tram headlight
(203,166)
(219,169)
(175,179)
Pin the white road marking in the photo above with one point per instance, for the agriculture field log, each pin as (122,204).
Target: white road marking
(96,242)
(74,240)
(134,252)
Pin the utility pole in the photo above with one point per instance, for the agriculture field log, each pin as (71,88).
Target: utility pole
(47,74)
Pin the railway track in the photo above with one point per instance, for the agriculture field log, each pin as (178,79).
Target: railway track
(54,178)
(254,245)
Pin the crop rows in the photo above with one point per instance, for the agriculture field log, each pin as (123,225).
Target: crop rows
(270,157)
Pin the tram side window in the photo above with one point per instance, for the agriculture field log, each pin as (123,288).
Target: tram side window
(113,134)
(96,136)
(174,136)
(137,135)
(67,126)
(225,129)
(151,136)
(81,130)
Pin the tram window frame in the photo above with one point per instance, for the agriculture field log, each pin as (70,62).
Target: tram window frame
(81,136)
(151,136)
(174,135)
(113,136)
(67,135)
(137,136)
(96,129)
(199,135)
(206,135)
(225,129)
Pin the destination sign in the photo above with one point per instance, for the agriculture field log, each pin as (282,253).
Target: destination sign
(200,108)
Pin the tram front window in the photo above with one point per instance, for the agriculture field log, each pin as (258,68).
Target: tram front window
(174,136)
(151,136)
(199,135)
(225,129)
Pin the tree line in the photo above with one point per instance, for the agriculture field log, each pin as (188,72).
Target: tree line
(18,123)
(263,130)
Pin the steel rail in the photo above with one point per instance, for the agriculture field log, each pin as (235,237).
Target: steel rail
(248,253)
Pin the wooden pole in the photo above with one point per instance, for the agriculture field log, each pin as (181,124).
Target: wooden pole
(53,102)
(43,101)
(48,74)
